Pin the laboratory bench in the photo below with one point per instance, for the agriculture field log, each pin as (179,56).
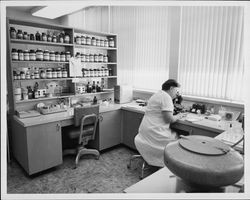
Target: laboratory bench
(37,141)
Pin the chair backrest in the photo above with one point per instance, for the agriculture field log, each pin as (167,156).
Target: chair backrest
(80,112)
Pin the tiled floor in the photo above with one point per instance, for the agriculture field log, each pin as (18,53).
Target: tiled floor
(109,174)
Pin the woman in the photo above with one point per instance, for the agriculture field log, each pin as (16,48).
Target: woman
(154,132)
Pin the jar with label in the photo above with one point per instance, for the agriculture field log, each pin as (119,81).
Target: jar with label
(93,41)
(54,73)
(44,37)
(78,55)
(86,72)
(59,73)
(96,57)
(106,71)
(32,75)
(43,74)
(32,37)
(67,55)
(110,71)
(38,36)
(49,73)
(101,42)
(19,34)
(83,57)
(98,43)
(91,73)
(22,75)
(83,40)
(91,58)
(66,38)
(14,54)
(36,74)
(77,40)
(87,57)
(46,56)
(26,55)
(61,38)
(13,33)
(32,55)
(25,94)
(39,54)
(57,57)
(111,42)
(88,40)
(20,54)
(62,57)
(100,57)
(102,71)
(27,75)
(49,38)
(64,73)
(105,58)
(52,56)
(18,76)
(106,43)
(14,75)
(54,39)
(18,94)
(25,35)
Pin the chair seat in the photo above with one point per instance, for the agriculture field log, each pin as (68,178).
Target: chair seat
(74,132)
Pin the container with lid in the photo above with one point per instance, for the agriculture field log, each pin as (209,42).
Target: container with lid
(43,74)
(66,38)
(19,34)
(22,75)
(111,42)
(78,40)
(68,56)
(13,34)
(44,37)
(91,73)
(49,38)
(27,75)
(101,42)
(38,36)
(49,73)
(52,56)
(54,73)
(64,73)
(87,57)
(88,40)
(20,54)
(25,36)
(91,58)
(93,41)
(62,57)
(32,75)
(39,54)
(57,56)
(98,43)
(36,74)
(54,39)
(59,72)
(26,55)
(32,37)
(32,55)
(96,58)
(106,43)
(83,40)
(14,75)
(105,58)
(100,57)
(61,38)
(83,57)
(14,54)
(46,56)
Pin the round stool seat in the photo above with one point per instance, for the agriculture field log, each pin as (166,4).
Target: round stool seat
(204,161)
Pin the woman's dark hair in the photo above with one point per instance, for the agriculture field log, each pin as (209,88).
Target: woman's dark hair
(170,83)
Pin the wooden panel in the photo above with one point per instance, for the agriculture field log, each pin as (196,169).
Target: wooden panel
(131,123)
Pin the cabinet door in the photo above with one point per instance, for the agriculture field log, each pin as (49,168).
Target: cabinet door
(131,123)
(44,146)
(110,129)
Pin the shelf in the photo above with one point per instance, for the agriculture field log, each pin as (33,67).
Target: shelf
(96,77)
(91,47)
(34,42)
(100,63)
(64,96)
(39,62)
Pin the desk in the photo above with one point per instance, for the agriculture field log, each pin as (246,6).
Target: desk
(164,181)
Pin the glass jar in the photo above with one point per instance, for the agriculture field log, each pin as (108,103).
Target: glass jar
(32,55)
(94,72)
(111,42)
(57,57)
(78,55)
(25,35)
(14,54)
(46,55)
(88,40)
(106,43)
(98,43)
(36,74)
(32,37)
(27,75)
(91,73)
(66,38)
(49,38)
(106,71)
(22,75)
(26,55)
(44,37)
(19,34)
(61,38)
(20,54)
(52,56)
(42,74)
(38,36)
(86,72)
(96,58)
(62,57)
(77,40)
(49,73)
(105,58)
(13,34)
(83,40)
(68,56)
(18,76)
(39,55)
(54,39)
(59,73)
(87,57)
(100,58)
(83,57)
(101,42)
(54,73)
(93,41)
(32,76)
(91,58)
(14,75)
(64,73)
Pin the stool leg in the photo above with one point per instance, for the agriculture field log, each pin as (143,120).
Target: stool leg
(142,169)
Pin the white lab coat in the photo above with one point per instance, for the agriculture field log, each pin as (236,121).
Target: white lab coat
(154,133)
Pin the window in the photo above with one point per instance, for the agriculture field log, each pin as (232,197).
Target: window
(211,62)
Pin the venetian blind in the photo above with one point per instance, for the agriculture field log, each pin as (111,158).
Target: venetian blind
(211,52)
(143,45)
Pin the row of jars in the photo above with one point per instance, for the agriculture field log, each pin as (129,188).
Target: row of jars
(40,74)
(40,55)
(99,72)
(92,57)
(87,40)
(19,34)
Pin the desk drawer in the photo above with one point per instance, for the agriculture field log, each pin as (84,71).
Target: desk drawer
(67,122)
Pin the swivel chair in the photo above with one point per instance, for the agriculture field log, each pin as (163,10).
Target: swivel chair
(85,126)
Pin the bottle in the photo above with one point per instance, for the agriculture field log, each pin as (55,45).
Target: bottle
(25,35)
(57,56)
(49,38)
(88,88)
(13,33)
(27,76)
(35,91)
(68,55)
(88,40)
(39,55)
(61,38)
(98,43)
(83,40)
(14,54)
(19,34)
(106,43)
(30,92)
(95,100)
(32,54)
(93,41)
(98,88)
(54,39)
(38,36)
(66,38)
(62,57)
(44,37)
(26,55)
(111,42)
(52,56)
(20,55)
(93,87)
(32,37)
(46,55)
(78,40)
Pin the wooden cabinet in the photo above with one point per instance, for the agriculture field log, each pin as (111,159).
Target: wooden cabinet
(109,130)
(37,148)
(131,123)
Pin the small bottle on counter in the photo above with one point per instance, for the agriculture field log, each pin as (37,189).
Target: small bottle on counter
(32,37)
